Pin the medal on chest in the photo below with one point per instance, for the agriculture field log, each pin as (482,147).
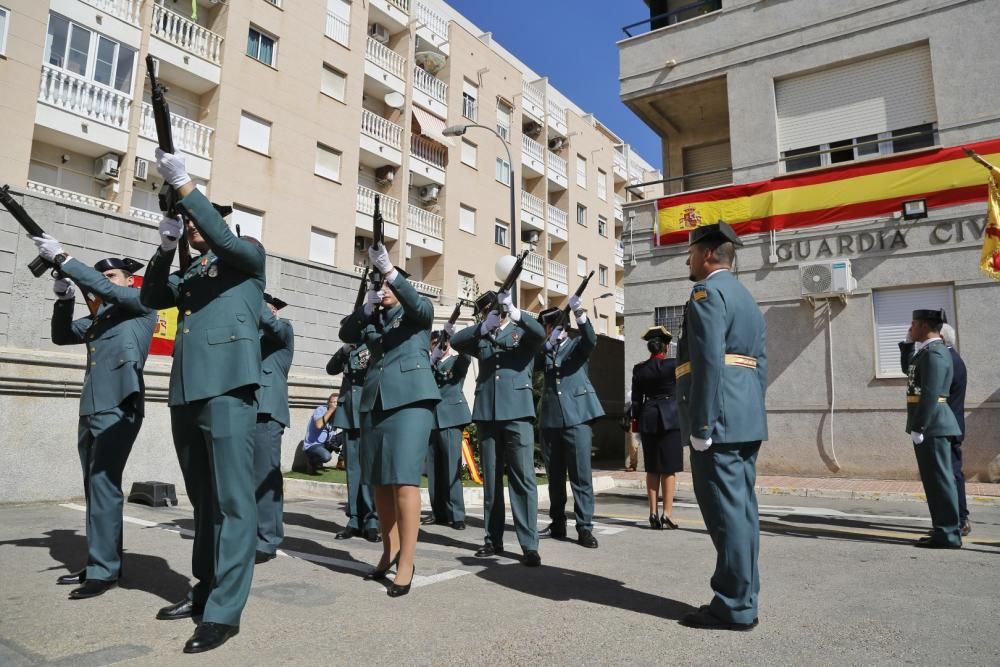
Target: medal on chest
(363,357)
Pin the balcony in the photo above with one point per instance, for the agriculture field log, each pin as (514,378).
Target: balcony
(428,160)
(381,140)
(635,173)
(76,198)
(532,212)
(430,92)
(620,255)
(557,119)
(534,270)
(189,136)
(64,98)
(126,10)
(432,27)
(532,101)
(675,14)
(338,28)
(424,231)
(428,290)
(177,40)
(557,171)
(152,217)
(557,223)
(619,301)
(388,207)
(532,157)
(558,276)
(620,167)
(385,68)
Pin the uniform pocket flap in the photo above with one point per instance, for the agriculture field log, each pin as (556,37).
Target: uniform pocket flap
(412,364)
(580,391)
(220,335)
(526,385)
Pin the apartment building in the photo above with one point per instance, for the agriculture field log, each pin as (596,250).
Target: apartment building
(300,113)
(831,136)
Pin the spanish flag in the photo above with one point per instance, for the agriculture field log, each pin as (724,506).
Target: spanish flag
(990,262)
(859,190)
(166,328)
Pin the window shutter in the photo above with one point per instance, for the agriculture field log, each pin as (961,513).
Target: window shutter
(698,159)
(251,222)
(893,314)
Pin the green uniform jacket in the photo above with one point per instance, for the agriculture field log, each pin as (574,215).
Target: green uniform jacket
(453,410)
(928,381)
(277,345)
(117,339)
(399,371)
(217,347)
(506,362)
(568,398)
(354,366)
(720,401)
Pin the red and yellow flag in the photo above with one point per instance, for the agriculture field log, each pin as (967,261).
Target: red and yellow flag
(868,189)
(990,261)
(166,328)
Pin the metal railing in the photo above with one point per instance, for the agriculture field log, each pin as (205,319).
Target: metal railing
(532,204)
(424,222)
(677,15)
(189,136)
(72,197)
(388,206)
(338,28)
(64,90)
(429,151)
(532,148)
(386,58)
(186,34)
(380,129)
(619,300)
(557,165)
(426,82)
(126,10)
(558,218)
(434,21)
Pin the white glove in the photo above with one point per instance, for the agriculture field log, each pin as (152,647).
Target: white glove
(47,246)
(437,353)
(379,256)
(554,337)
(907,339)
(699,444)
(507,303)
(372,299)
(917,437)
(63,289)
(576,305)
(449,328)
(491,322)
(172,168)
(171,230)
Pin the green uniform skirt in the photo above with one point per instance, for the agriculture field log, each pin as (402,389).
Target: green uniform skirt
(394,443)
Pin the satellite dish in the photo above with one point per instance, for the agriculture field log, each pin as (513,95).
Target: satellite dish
(431,61)
(395,100)
(504,265)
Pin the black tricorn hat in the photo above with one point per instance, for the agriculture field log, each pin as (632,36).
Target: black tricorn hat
(124,264)
(653,333)
(485,300)
(274,301)
(551,316)
(932,316)
(718,232)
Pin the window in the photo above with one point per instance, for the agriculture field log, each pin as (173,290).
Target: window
(893,310)
(581,171)
(466,286)
(255,133)
(602,325)
(79,50)
(500,230)
(262,47)
(504,114)
(322,247)
(602,185)
(251,222)
(602,275)
(672,317)
(469,153)
(503,171)
(327,162)
(4,21)
(581,215)
(581,266)
(334,83)
(338,21)
(602,226)
(869,145)
(467,219)
(469,94)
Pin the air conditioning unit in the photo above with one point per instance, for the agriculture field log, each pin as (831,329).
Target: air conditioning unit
(361,243)
(429,193)
(379,33)
(532,129)
(141,169)
(556,144)
(384,175)
(106,167)
(825,280)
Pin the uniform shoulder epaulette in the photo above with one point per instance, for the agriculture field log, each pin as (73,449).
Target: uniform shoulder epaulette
(699,292)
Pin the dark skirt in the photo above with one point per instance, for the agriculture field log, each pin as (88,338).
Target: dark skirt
(662,452)
(394,444)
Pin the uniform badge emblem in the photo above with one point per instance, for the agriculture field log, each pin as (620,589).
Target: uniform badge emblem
(213,271)
(363,357)
(699,295)
(516,337)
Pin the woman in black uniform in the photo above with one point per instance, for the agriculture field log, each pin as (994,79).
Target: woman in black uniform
(654,406)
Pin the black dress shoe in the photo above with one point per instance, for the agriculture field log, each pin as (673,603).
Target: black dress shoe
(428,520)
(931,543)
(91,589)
(654,522)
(587,539)
(73,578)
(396,591)
(458,525)
(488,550)
(555,530)
(262,557)
(183,609)
(372,535)
(966,528)
(532,559)
(706,620)
(379,575)
(667,523)
(210,635)
(347,533)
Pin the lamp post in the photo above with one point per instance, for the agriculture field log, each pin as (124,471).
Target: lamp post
(598,298)
(459,130)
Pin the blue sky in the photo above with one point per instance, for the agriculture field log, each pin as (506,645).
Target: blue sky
(573,43)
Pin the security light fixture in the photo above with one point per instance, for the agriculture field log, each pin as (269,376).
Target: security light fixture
(914,209)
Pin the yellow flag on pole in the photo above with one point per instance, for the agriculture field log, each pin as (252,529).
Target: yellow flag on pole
(990,261)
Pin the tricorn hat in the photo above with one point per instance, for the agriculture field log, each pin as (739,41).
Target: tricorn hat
(930,315)
(551,316)
(653,333)
(124,264)
(718,232)
(274,301)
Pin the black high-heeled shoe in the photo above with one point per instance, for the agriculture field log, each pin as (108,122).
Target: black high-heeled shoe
(396,591)
(379,575)
(668,523)
(654,522)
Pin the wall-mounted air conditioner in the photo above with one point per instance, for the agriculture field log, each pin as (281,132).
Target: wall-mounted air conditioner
(141,169)
(827,280)
(532,129)
(106,167)
(379,33)
(556,144)
(384,175)
(429,193)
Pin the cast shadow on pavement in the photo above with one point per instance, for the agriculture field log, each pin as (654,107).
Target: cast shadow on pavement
(814,531)
(559,584)
(312,548)
(311,522)
(140,572)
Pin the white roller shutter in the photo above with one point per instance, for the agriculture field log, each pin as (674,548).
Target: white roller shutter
(699,159)
(888,92)
(893,314)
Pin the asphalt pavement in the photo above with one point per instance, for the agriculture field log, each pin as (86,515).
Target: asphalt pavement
(840,585)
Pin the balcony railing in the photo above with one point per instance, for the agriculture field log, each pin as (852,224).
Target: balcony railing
(620,163)
(425,222)
(386,58)
(72,197)
(620,300)
(388,206)
(635,173)
(83,97)
(531,148)
(380,129)
(426,82)
(534,263)
(558,218)
(426,289)
(557,165)
(620,255)
(429,151)
(532,204)
(147,216)
(619,211)
(338,28)
(126,10)
(434,21)
(186,34)
(557,113)
(557,271)
(189,136)
(533,94)
(683,13)
(402,5)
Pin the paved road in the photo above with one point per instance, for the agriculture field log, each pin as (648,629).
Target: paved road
(840,585)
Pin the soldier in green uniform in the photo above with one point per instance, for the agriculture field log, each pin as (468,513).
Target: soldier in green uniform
(117,336)
(352,361)
(930,423)
(569,405)
(397,410)
(277,345)
(451,416)
(721,379)
(505,345)
(215,374)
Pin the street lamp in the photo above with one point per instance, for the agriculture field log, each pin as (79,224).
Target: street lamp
(459,130)
(598,298)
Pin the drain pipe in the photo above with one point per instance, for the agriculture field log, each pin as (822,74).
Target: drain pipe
(832,463)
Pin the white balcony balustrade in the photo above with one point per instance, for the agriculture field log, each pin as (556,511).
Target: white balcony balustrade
(635,173)
(424,222)
(78,198)
(620,301)
(619,211)
(186,34)
(380,129)
(532,148)
(388,206)
(558,219)
(557,117)
(429,151)
(433,21)
(532,100)
(557,271)
(620,164)
(429,84)
(153,217)
(402,5)
(532,204)
(338,28)
(534,263)
(83,97)
(557,165)
(189,136)
(620,255)
(126,10)
(386,58)
(433,291)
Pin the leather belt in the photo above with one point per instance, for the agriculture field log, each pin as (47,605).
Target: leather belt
(740,360)
(659,397)
(916,399)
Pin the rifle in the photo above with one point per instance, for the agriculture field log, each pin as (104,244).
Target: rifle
(445,337)
(512,276)
(578,293)
(40,265)
(375,276)
(360,299)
